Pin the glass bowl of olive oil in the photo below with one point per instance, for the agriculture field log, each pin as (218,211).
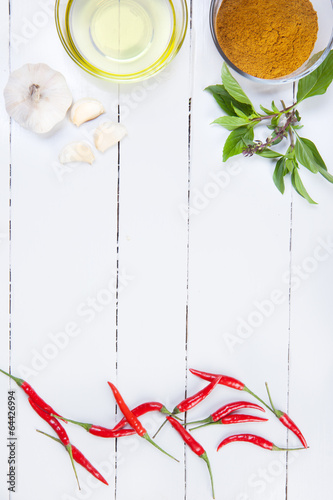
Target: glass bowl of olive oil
(122,40)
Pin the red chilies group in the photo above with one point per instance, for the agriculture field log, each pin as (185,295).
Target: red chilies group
(225,415)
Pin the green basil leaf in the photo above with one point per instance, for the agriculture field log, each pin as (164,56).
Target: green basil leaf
(299,186)
(325,174)
(237,141)
(289,166)
(317,82)
(233,87)
(228,103)
(278,175)
(240,108)
(268,153)
(223,98)
(308,155)
(231,122)
(297,127)
(315,153)
(239,112)
(265,110)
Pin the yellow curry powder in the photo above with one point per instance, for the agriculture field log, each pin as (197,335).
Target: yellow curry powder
(267,38)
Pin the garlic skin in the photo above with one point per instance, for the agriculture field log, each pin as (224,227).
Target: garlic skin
(108,134)
(86,109)
(77,151)
(37,97)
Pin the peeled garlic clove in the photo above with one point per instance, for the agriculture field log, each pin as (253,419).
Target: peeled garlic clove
(37,97)
(108,134)
(77,151)
(86,109)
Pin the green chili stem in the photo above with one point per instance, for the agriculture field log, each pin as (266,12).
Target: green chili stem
(204,421)
(205,458)
(69,449)
(204,425)
(270,399)
(276,448)
(160,428)
(277,413)
(19,381)
(258,398)
(149,439)
(49,435)
(81,424)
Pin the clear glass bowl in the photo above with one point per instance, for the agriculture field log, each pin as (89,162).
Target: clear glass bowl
(122,40)
(323,45)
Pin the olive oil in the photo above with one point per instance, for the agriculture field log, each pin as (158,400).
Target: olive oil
(121,36)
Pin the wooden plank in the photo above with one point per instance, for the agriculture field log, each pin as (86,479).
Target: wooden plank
(64,257)
(311,313)
(153,248)
(239,263)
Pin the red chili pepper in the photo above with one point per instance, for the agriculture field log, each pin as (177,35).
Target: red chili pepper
(287,422)
(226,410)
(224,380)
(142,410)
(240,419)
(236,384)
(53,422)
(249,438)
(257,440)
(231,407)
(193,444)
(190,402)
(229,382)
(58,428)
(81,459)
(32,394)
(133,421)
(103,432)
(233,419)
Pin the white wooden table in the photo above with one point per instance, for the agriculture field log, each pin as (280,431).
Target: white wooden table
(156,259)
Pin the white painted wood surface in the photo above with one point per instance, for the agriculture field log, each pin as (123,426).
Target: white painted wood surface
(146,264)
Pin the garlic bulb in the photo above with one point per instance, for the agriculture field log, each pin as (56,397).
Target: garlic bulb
(77,151)
(37,97)
(108,134)
(85,109)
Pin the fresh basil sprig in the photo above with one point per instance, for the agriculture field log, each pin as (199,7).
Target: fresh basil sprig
(284,124)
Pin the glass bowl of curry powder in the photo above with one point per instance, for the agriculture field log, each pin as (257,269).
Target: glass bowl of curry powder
(270,41)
